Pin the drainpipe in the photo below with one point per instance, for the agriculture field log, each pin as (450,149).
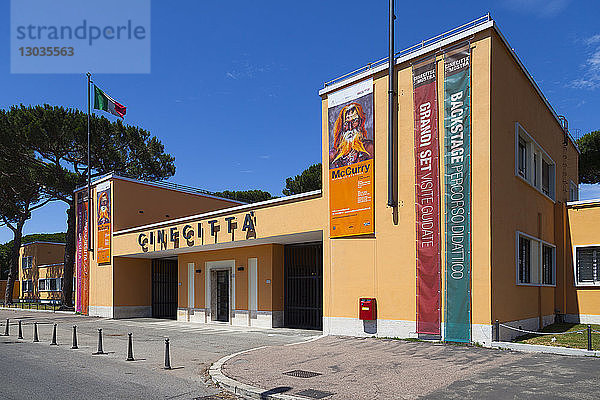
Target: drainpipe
(391,198)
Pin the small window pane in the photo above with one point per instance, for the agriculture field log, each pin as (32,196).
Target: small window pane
(586,264)
(522,158)
(52,284)
(547,265)
(524,260)
(545,178)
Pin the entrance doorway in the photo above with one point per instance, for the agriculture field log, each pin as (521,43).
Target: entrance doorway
(219,290)
(164,289)
(222,298)
(303,290)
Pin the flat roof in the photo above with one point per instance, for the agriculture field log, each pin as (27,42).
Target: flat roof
(42,242)
(453,36)
(584,203)
(163,185)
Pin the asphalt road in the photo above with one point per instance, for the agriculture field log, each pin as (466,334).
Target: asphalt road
(41,371)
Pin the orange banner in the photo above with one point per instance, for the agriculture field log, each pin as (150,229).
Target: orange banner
(104,225)
(351,163)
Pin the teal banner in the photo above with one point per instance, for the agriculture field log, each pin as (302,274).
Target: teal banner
(457,182)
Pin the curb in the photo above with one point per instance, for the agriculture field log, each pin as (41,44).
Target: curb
(538,348)
(249,391)
(33,310)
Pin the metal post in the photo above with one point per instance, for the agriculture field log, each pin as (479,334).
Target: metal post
(20,331)
(497,328)
(7,325)
(167,356)
(589,337)
(130,349)
(35,333)
(89,166)
(100,350)
(391,198)
(53,343)
(74,337)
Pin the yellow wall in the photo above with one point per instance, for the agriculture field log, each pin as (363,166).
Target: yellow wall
(270,267)
(132,281)
(582,230)
(158,204)
(384,266)
(515,204)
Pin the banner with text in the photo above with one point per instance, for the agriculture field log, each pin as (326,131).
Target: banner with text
(427,198)
(82,258)
(103,222)
(457,160)
(351,151)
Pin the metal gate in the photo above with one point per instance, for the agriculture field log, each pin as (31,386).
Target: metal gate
(164,289)
(303,290)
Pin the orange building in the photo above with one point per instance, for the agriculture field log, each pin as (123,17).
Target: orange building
(475,225)
(41,271)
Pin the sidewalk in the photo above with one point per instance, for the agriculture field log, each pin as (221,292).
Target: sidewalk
(369,368)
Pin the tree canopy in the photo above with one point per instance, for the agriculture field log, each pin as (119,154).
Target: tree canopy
(307,181)
(246,196)
(589,159)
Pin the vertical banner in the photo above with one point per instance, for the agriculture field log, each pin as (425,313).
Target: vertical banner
(351,150)
(427,198)
(82,254)
(457,160)
(103,222)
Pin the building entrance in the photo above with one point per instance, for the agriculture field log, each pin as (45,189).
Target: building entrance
(164,289)
(222,298)
(303,290)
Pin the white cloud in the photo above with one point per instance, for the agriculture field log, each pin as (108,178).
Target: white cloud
(590,76)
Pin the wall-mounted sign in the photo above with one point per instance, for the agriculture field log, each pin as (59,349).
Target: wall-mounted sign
(351,151)
(82,259)
(103,221)
(197,233)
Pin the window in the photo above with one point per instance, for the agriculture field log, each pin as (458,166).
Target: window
(27,262)
(535,261)
(573,191)
(50,284)
(586,265)
(27,286)
(534,165)
(522,158)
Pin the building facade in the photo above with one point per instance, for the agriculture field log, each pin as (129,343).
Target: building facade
(41,272)
(474,226)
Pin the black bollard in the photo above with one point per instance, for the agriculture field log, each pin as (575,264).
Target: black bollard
(53,343)
(497,326)
(35,334)
(20,331)
(589,337)
(74,337)
(100,350)
(167,356)
(130,350)
(7,325)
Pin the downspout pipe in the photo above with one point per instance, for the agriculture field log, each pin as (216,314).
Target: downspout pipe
(391,198)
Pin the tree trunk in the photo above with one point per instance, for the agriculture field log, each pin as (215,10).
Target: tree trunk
(69,260)
(14,260)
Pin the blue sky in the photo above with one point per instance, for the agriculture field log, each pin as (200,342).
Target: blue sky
(233,86)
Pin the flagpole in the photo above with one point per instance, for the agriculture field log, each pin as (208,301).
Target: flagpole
(89,169)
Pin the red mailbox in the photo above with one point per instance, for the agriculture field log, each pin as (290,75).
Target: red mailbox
(367,309)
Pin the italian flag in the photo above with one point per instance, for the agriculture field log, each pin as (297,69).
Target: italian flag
(104,102)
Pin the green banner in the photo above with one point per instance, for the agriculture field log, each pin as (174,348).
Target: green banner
(457,181)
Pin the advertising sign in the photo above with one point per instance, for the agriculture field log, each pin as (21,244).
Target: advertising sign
(351,151)
(103,222)
(427,198)
(83,268)
(457,160)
